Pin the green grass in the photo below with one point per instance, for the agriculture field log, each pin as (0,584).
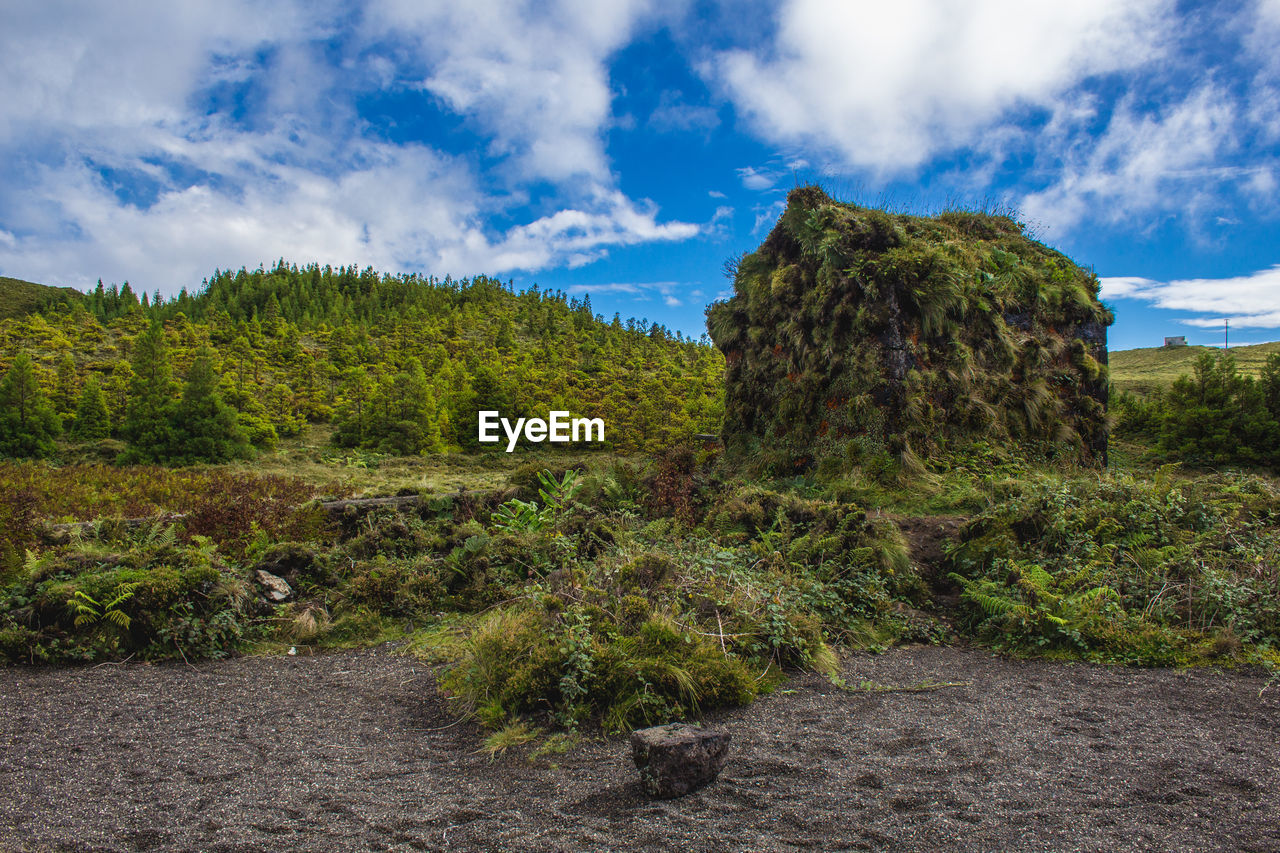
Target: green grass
(19,298)
(1141,371)
(312,458)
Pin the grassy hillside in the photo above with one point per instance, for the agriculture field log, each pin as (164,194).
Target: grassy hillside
(1144,370)
(18,297)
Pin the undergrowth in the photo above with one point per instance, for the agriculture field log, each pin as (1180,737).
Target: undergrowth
(1160,571)
(638,594)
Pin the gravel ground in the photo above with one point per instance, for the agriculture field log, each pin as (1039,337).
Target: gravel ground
(356,751)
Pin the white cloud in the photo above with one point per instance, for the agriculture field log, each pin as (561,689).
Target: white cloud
(668,291)
(1263,28)
(888,86)
(532,77)
(578,237)
(757,179)
(1164,162)
(408,208)
(1247,301)
(157,143)
(767,215)
(1247,321)
(115,68)
(720,226)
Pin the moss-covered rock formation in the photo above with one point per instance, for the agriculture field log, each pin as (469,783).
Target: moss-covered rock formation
(857,337)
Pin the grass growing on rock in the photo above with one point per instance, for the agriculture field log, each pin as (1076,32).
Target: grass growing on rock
(857,339)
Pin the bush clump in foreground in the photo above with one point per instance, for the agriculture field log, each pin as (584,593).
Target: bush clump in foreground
(116,593)
(173,582)
(669,621)
(1161,572)
(638,594)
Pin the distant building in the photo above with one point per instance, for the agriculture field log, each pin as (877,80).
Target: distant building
(1179,341)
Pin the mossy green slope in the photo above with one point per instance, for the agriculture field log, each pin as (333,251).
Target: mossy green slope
(19,298)
(857,336)
(1142,371)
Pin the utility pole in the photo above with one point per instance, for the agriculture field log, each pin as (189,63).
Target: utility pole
(1226,334)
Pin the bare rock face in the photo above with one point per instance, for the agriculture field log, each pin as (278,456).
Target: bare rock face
(274,587)
(678,758)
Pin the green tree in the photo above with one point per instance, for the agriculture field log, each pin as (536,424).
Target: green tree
(406,420)
(204,427)
(1271,384)
(92,421)
(28,423)
(354,408)
(148,422)
(1218,417)
(116,390)
(489,393)
(64,394)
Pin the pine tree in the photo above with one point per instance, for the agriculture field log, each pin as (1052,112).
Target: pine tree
(116,391)
(489,393)
(1218,417)
(353,411)
(205,428)
(148,423)
(1270,382)
(64,394)
(28,424)
(271,316)
(92,421)
(407,420)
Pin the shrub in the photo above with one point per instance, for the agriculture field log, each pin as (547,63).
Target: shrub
(650,630)
(108,597)
(1218,417)
(576,663)
(1114,568)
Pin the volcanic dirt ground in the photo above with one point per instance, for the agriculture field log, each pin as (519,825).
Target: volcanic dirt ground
(359,751)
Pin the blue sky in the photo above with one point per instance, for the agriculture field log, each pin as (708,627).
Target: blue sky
(625,149)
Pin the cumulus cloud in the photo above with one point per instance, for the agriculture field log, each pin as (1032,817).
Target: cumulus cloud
(578,237)
(886,87)
(157,143)
(1247,301)
(407,207)
(532,77)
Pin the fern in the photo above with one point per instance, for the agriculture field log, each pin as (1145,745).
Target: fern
(990,597)
(89,611)
(157,534)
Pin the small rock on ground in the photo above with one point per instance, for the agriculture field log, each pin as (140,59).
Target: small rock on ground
(678,758)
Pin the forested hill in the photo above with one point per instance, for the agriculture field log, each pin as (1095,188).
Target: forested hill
(398,363)
(18,297)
